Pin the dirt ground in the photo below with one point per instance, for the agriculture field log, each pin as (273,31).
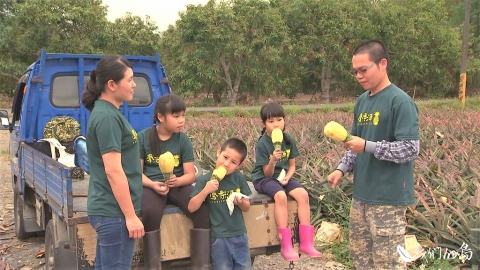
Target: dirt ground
(20,255)
(14,254)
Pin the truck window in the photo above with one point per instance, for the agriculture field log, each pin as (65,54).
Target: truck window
(143,92)
(64,91)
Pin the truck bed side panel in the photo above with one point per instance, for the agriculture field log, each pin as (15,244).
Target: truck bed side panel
(48,178)
(175,233)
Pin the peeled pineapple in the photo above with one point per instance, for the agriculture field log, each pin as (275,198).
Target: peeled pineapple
(336,132)
(277,138)
(219,173)
(166,164)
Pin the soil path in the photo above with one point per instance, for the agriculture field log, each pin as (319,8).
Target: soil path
(14,254)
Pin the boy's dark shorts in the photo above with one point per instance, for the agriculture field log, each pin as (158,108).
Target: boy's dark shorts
(271,186)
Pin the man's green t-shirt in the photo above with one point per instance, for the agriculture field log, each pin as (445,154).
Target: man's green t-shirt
(178,144)
(390,115)
(108,130)
(263,153)
(221,223)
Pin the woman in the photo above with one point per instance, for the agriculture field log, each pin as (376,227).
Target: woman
(115,187)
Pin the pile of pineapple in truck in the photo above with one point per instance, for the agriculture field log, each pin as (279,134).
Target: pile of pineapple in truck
(50,192)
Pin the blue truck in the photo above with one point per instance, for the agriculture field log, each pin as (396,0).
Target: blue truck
(50,193)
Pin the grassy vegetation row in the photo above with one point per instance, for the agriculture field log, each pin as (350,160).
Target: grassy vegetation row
(472,103)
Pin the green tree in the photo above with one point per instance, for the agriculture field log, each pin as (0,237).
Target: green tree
(66,26)
(190,69)
(233,41)
(424,47)
(456,13)
(9,70)
(323,34)
(131,35)
(56,25)
(7,8)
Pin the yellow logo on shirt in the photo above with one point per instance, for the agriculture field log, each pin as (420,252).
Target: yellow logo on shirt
(176,160)
(134,136)
(367,119)
(376,118)
(221,196)
(151,159)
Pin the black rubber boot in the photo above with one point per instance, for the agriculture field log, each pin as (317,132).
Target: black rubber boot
(200,249)
(151,250)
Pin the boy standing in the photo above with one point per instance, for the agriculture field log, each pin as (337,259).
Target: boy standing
(229,242)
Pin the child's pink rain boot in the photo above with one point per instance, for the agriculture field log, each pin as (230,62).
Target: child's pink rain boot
(306,241)
(287,251)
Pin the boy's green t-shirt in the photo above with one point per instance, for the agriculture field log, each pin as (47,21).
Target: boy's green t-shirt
(108,130)
(221,223)
(263,153)
(178,144)
(390,115)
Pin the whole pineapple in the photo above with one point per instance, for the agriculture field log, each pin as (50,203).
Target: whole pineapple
(336,132)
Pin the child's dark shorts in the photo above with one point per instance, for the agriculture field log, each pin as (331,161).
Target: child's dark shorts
(271,186)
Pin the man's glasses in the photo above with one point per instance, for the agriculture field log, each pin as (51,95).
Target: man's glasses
(361,71)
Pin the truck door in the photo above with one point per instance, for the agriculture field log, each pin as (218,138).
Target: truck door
(16,113)
(140,110)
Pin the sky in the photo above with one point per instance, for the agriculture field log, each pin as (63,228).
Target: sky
(163,12)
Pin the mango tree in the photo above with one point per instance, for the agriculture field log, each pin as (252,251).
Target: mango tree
(56,25)
(132,35)
(323,34)
(233,41)
(424,47)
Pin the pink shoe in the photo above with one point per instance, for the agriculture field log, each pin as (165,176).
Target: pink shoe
(287,251)
(306,241)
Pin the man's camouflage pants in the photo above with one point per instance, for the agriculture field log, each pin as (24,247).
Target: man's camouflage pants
(375,232)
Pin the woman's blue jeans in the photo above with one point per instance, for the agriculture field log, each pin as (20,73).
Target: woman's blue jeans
(114,247)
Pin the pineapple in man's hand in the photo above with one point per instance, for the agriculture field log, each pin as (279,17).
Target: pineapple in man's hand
(336,132)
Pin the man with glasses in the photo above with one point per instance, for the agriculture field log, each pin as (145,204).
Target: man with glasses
(385,143)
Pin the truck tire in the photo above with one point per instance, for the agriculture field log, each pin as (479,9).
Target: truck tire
(58,254)
(18,212)
(50,246)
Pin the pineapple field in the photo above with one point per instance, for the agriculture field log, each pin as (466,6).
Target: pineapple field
(445,217)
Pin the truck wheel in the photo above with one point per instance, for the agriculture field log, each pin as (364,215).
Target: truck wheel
(18,212)
(50,246)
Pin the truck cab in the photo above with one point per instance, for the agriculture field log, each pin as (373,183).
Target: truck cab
(50,195)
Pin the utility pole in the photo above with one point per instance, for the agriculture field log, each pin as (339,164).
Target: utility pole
(463,64)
